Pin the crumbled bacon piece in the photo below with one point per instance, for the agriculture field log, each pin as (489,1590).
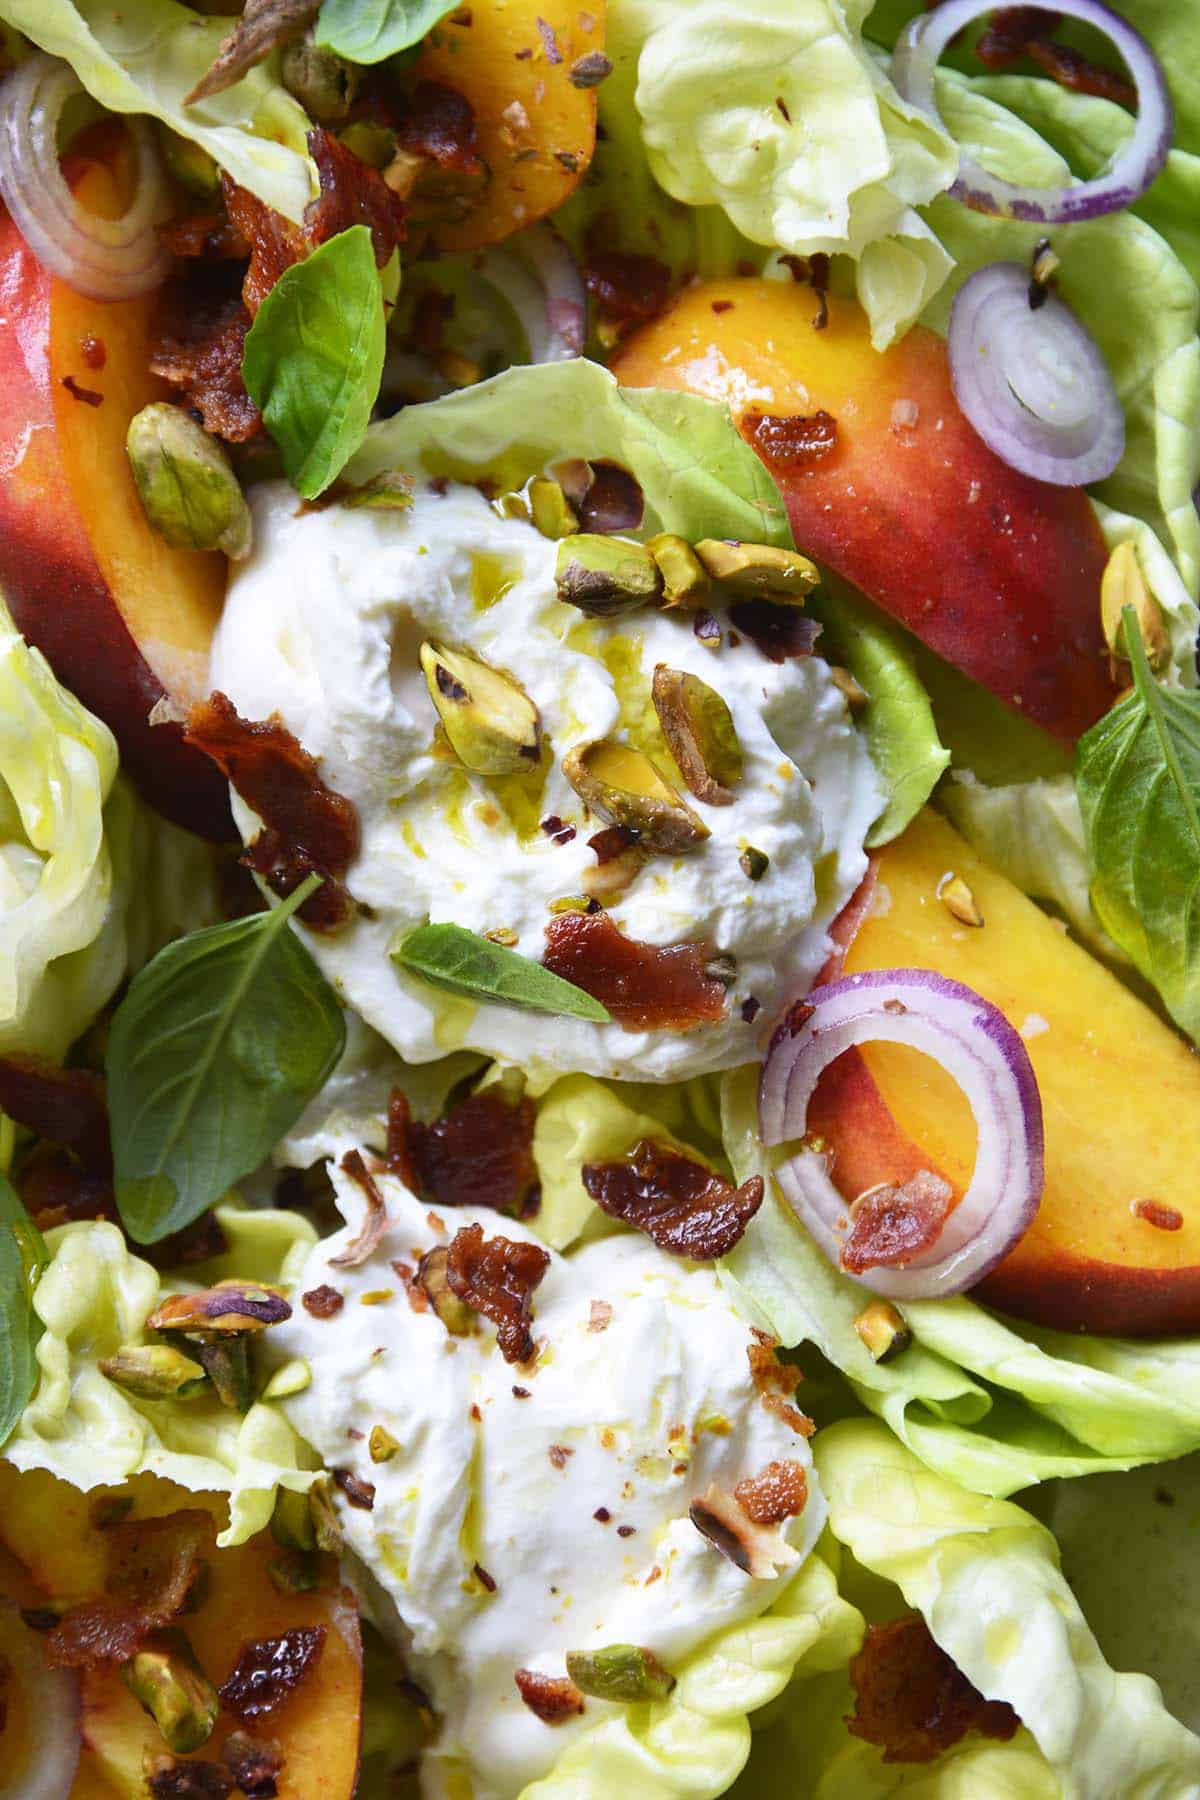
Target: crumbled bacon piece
(198,346)
(776,1493)
(682,1205)
(177,1779)
(374,1224)
(56,1190)
(776,1382)
(1019,31)
(64,1106)
(890,1225)
(212,236)
(625,285)
(554,1698)
(479,1153)
(780,633)
(255,1767)
(1010,29)
(438,124)
(397,1154)
(789,442)
(912,1701)
(153,1565)
(322,1302)
(1071,69)
(646,987)
(497,1277)
(307,827)
(269,1670)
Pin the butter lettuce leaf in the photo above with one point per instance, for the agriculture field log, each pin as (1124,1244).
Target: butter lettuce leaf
(144,56)
(93,1299)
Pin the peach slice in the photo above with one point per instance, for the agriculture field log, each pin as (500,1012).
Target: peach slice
(123,618)
(1116,1244)
(998,573)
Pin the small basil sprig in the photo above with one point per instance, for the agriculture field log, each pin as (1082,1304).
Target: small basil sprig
(451,957)
(367,31)
(314,358)
(23,1257)
(214,1053)
(1137,774)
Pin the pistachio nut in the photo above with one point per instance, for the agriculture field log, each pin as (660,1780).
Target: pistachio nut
(381,1445)
(323,82)
(227,1309)
(759,569)
(292,1522)
(227,1365)
(753,863)
(326,1528)
(883,1330)
(186,483)
(959,901)
(392,491)
(622,785)
(621,1672)
(685,579)
(292,1378)
(295,1572)
(700,734)
(491,723)
(1123,584)
(454,1313)
(189,165)
(153,1372)
(168,1683)
(606,576)
(553,513)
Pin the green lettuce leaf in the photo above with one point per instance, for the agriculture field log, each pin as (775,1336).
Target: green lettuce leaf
(369,31)
(93,1299)
(144,56)
(698,476)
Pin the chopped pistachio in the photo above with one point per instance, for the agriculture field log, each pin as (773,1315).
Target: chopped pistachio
(153,1372)
(622,785)
(685,579)
(323,82)
(958,900)
(228,1309)
(390,492)
(491,723)
(606,576)
(168,1683)
(513,506)
(553,513)
(700,734)
(292,1378)
(454,1313)
(503,935)
(1123,584)
(326,1529)
(192,167)
(382,1445)
(883,1330)
(295,1572)
(577,903)
(854,694)
(186,483)
(227,1365)
(291,1521)
(759,569)
(620,1672)
(753,863)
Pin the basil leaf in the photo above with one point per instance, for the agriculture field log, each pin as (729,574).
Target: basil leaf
(366,31)
(314,358)
(214,1053)
(23,1257)
(1137,773)
(451,957)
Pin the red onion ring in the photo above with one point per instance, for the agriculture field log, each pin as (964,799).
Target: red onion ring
(973,1041)
(541,281)
(915,58)
(106,259)
(49,1701)
(1034,384)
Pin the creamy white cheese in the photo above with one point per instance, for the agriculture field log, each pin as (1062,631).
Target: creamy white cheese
(323,625)
(632,1412)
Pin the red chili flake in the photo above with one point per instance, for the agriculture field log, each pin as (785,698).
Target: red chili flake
(613,502)
(520,1393)
(93,351)
(307,826)
(89,396)
(890,1225)
(190,1780)
(627,286)
(626,1531)
(655,987)
(558,1454)
(153,1565)
(683,1206)
(789,442)
(418,1299)
(64,1106)
(1163,1218)
(497,1277)
(398,1155)
(602,1515)
(322,1302)
(780,633)
(612,842)
(360,1494)
(554,1698)
(485,1580)
(912,1701)
(556,830)
(269,1670)
(776,1493)
(549,41)
(480,1152)
(255,1767)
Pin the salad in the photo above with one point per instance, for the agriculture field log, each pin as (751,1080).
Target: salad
(599,842)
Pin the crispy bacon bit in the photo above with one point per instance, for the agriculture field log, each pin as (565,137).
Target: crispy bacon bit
(759,1551)
(912,1701)
(55,1190)
(358,1493)
(497,1277)
(211,236)
(554,1698)
(153,1565)
(790,442)
(322,1302)
(199,342)
(682,1205)
(89,396)
(173,1779)
(1071,69)
(255,1767)
(269,1670)
(1019,31)
(890,1225)
(64,1106)
(479,1153)
(1163,1218)
(614,500)
(776,1493)
(376,1221)
(776,1383)
(307,827)
(627,286)
(397,1154)
(780,633)
(646,987)
(1010,29)
(439,125)
(352,193)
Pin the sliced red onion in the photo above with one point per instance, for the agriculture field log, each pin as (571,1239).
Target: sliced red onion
(1033,383)
(975,1044)
(913,63)
(49,1703)
(106,259)
(541,281)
